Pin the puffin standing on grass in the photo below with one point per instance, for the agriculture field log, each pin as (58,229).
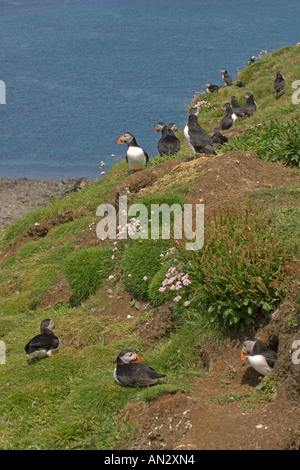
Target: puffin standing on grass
(237,108)
(44,344)
(130,370)
(260,358)
(229,119)
(168,144)
(227,79)
(198,139)
(136,157)
(250,106)
(279,84)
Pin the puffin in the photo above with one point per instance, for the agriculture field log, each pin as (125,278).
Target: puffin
(132,372)
(252,60)
(227,79)
(198,139)
(212,88)
(250,106)
(241,84)
(237,108)
(218,137)
(260,358)
(279,84)
(229,119)
(168,144)
(46,343)
(136,157)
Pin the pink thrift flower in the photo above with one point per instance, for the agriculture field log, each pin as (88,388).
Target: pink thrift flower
(187,303)
(177,298)
(111,277)
(161,289)
(145,278)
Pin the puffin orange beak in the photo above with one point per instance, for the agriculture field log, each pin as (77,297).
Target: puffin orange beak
(54,324)
(120,141)
(156,132)
(242,355)
(138,357)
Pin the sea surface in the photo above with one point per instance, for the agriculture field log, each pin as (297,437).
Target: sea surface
(75,75)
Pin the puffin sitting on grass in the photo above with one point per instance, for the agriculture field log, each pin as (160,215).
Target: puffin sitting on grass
(279,84)
(44,344)
(260,358)
(136,157)
(130,370)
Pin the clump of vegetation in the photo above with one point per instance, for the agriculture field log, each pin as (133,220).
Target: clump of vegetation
(238,268)
(274,141)
(86,270)
(140,262)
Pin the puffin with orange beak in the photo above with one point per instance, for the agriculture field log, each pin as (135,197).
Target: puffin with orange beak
(130,370)
(44,344)
(260,358)
(136,157)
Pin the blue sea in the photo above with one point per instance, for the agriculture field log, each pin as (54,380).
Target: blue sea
(78,74)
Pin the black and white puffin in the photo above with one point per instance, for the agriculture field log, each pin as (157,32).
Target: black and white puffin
(198,139)
(250,106)
(227,79)
(252,60)
(168,144)
(136,157)
(241,84)
(229,119)
(132,372)
(46,343)
(212,88)
(279,84)
(237,108)
(260,358)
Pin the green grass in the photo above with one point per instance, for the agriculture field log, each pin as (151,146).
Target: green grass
(276,141)
(70,401)
(87,270)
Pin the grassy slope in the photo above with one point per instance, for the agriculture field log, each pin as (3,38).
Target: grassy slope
(71,400)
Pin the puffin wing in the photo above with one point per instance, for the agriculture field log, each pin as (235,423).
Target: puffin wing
(137,374)
(42,342)
(146,156)
(270,356)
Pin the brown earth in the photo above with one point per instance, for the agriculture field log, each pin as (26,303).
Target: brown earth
(197,420)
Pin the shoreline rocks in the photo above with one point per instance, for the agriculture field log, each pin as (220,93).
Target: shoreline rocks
(19,196)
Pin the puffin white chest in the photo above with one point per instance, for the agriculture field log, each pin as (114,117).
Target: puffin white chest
(186,135)
(260,364)
(136,158)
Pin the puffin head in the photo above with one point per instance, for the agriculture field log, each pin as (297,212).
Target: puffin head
(159,127)
(125,138)
(207,85)
(223,71)
(172,127)
(127,356)
(194,110)
(47,324)
(226,107)
(248,347)
(248,95)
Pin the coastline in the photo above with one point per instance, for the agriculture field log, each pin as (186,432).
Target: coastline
(19,196)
